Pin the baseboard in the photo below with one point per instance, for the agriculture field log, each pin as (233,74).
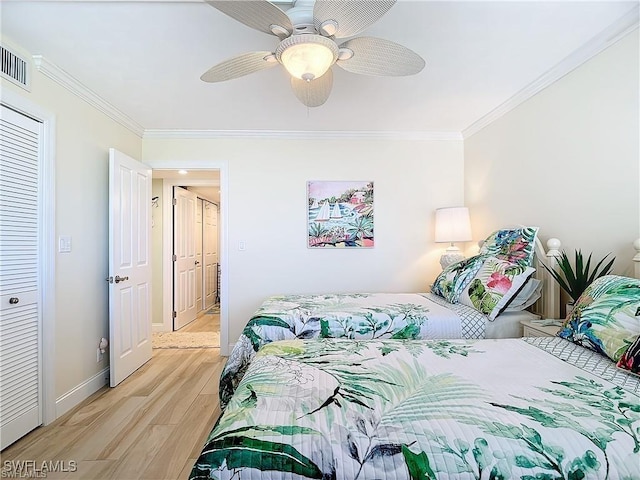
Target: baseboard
(83,391)
(158,327)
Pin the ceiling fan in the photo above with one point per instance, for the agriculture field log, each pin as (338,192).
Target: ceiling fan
(308,32)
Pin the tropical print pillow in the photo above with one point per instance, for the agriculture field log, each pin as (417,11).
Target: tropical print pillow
(606,317)
(455,277)
(515,245)
(630,360)
(496,282)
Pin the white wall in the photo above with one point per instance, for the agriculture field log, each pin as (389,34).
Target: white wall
(566,160)
(267,210)
(82,138)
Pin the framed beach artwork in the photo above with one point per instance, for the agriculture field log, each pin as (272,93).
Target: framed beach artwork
(340,214)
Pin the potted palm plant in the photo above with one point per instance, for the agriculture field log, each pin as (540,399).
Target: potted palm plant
(574,281)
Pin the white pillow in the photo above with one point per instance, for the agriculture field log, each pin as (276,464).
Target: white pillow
(527,296)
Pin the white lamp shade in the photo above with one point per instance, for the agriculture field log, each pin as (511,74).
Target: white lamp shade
(453,225)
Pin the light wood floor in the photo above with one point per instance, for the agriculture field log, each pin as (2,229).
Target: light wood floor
(151,426)
(205,322)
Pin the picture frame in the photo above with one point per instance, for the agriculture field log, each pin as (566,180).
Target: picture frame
(340,214)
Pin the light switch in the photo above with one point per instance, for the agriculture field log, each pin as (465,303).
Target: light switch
(241,245)
(64,244)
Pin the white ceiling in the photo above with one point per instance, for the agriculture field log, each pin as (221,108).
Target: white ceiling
(145,58)
(206,183)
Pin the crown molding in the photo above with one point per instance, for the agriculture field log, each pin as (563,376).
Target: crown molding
(303,135)
(58,75)
(616,31)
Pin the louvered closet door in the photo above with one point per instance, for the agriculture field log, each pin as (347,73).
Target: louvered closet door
(20,360)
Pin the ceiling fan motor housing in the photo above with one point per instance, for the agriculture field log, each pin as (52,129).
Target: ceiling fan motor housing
(301,17)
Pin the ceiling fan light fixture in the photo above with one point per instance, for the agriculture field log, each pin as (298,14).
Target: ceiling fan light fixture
(345,53)
(279,31)
(307,56)
(329,28)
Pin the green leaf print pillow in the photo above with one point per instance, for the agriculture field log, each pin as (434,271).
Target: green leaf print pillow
(606,317)
(455,277)
(496,282)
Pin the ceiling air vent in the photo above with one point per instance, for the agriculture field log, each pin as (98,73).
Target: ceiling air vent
(15,68)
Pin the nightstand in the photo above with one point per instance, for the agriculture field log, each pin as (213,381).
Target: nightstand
(543,327)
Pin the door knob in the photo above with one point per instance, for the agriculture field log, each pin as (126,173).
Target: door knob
(121,279)
(14,300)
(197,262)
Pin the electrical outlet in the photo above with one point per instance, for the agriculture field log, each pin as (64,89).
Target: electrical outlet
(99,355)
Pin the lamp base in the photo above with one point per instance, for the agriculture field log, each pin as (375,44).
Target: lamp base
(451,255)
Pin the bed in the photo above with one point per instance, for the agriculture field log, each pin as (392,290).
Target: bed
(528,408)
(453,309)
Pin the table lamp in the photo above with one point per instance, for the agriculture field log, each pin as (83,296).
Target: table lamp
(452,225)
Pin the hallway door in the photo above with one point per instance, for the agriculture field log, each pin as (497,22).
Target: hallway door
(210,248)
(199,257)
(184,257)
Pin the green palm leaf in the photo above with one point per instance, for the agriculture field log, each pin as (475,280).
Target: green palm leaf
(263,455)
(432,397)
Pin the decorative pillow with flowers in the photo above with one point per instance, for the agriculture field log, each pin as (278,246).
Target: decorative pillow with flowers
(630,360)
(515,245)
(606,317)
(496,282)
(455,277)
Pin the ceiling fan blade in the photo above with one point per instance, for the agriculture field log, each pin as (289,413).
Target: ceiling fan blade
(375,56)
(315,92)
(261,15)
(351,16)
(239,66)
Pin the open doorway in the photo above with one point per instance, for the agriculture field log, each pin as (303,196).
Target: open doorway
(186,234)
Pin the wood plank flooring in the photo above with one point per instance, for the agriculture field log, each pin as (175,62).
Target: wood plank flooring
(151,426)
(205,322)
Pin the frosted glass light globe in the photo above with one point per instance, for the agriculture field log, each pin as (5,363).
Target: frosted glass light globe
(307,56)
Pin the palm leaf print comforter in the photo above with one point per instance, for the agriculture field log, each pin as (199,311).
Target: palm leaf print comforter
(428,409)
(355,316)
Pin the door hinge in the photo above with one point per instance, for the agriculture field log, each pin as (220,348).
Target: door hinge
(174,314)
(174,202)
(174,258)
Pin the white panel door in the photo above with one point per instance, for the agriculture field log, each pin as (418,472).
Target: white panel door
(184,250)
(20,324)
(210,253)
(129,265)
(199,270)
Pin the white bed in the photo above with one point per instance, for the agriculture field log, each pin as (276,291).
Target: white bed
(421,315)
(346,408)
